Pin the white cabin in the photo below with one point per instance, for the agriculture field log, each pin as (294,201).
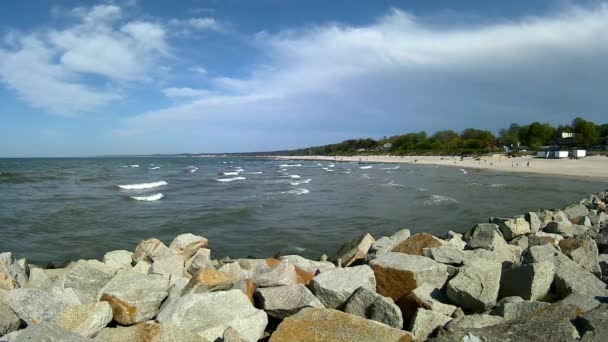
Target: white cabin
(554,154)
(579,154)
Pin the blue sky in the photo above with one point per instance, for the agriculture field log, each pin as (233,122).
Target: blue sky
(140,77)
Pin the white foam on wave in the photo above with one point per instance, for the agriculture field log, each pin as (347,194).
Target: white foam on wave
(304,181)
(365,167)
(497,185)
(230,173)
(328,169)
(134,165)
(290,165)
(142,186)
(366,176)
(155,168)
(230,179)
(192,169)
(154,197)
(331,165)
(255,173)
(422,189)
(239,169)
(464,172)
(392,184)
(391,168)
(319,164)
(439,200)
(295,176)
(298,191)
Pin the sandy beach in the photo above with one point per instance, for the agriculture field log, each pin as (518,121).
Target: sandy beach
(593,167)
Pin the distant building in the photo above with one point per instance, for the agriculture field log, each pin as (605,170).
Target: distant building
(567,135)
(387,146)
(553,154)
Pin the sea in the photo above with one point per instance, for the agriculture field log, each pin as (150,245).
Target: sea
(56,210)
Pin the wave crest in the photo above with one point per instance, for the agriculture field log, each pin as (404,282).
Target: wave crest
(142,186)
(150,198)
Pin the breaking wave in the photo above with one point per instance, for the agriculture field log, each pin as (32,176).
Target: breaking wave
(439,200)
(366,167)
(304,181)
(298,191)
(230,179)
(230,173)
(142,186)
(154,197)
(290,165)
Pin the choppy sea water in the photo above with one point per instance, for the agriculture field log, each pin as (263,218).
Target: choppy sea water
(55,210)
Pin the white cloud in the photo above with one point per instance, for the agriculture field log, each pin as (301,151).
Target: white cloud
(399,73)
(185,92)
(192,25)
(199,70)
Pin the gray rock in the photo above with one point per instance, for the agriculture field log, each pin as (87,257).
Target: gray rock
(397,274)
(48,332)
(353,250)
(97,265)
(386,244)
(47,278)
(86,281)
(584,252)
(521,242)
(142,266)
(576,210)
(283,301)
(35,305)
(582,301)
(512,227)
(335,286)
(307,265)
(209,314)
(486,236)
(427,297)
(594,324)
(536,254)
(582,220)
(176,288)
(571,278)
(455,239)
(135,297)
(529,281)
(86,319)
(13,274)
(513,310)
(565,229)
(234,271)
(368,304)
(473,321)
(602,239)
(231,335)
(534,221)
(446,254)
(603,261)
(148,332)
(281,274)
(505,254)
(170,264)
(541,238)
(118,259)
(188,244)
(201,259)
(425,322)
(149,249)
(9,321)
(476,286)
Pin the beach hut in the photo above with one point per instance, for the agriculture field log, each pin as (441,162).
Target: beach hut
(552,154)
(579,153)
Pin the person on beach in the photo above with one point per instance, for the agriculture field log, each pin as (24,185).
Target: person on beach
(528,164)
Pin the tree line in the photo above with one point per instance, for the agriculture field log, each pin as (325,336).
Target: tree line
(533,136)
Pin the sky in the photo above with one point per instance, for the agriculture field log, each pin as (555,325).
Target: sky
(141,77)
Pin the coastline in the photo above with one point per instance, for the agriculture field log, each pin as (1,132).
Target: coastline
(593,167)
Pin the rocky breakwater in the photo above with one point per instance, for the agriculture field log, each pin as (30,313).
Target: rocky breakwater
(536,277)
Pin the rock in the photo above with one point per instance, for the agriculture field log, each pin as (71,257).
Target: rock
(565,229)
(397,273)
(135,297)
(521,242)
(320,325)
(207,280)
(201,259)
(252,264)
(602,239)
(209,314)
(571,278)
(486,236)
(473,321)
(36,306)
(507,255)
(85,319)
(536,254)
(581,301)
(455,239)
(426,297)
(593,325)
(142,266)
(603,261)
(13,274)
(353,250)
(446,254)
(582,221)
(233,271)
(188,244)
(283,301)
(386,244)
(231,335)
(510,311)
(575,210)
(46,278)
(9,321)
(512,227)
(170,264)
(176,288)
(86,281)
(416,243)
(308,265)
(247,287)
(148,332)
(425,322)
(118,259)
(368,304)
(334,287)
(476,286)
(584,252)
(559,216)
(281,274)
(534,221)
(149,249)
(529,281)
(542,238)
(97,265)
(48,332)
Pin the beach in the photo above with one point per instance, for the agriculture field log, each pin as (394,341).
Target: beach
(593,167)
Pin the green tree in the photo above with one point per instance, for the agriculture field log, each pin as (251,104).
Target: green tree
(586,133)
(474,137)
(509,136)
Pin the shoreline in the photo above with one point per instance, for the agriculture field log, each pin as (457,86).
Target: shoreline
(592,167)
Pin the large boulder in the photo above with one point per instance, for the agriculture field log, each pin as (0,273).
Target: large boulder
(368,304)
(385,244)
(515,309)
(353,250)
(593,325)
(575,210)
(36,306)
(486,236)
(320,325)
(48,332)
(307,265)
(571,278)
(148,332)
(86,281)
(13,273)
(397,273)
(425,322)
(201,259)
(540,253)
(535,222)
(529,281)
(9,321)
(85,319)
(445,254)
(473,321)
(584,252)
(416,243)
(135,297)
(170,264)
(281,274)
(46,278)
(209,314)
(335,286)
(187,244)
(283,301)
(426,297)
(149,249)
(512,227)
(581,301)
(565,229)
(476,286)
(118,259)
